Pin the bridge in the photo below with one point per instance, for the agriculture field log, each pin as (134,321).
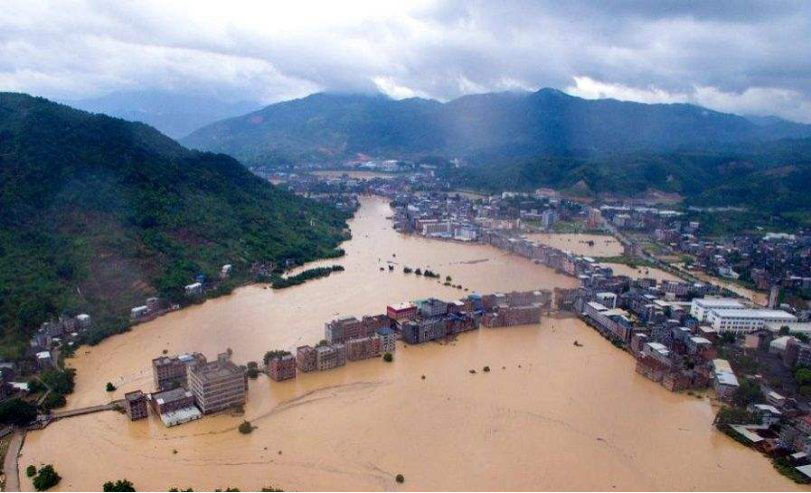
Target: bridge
(44,420)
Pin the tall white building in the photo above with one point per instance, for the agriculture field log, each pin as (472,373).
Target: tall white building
(747,320)
(700,307)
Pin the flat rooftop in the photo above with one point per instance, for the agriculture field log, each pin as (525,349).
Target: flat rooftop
(754,313)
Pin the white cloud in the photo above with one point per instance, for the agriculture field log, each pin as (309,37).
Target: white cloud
(746,56)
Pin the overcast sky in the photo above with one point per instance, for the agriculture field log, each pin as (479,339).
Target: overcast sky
(741,56)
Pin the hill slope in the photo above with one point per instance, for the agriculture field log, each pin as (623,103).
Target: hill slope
(98,213)
(546,122)
(174,114)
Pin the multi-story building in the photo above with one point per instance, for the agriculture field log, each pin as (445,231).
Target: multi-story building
(388,340)
(306,358)
(217,385)
(700,307)
(432,307)
(363,348)
(175,406)
(402,311)
(171,371)
(170,401)
(724,380)
(425,330)
(746,320)
(135,404)
(327,357)
(342,329)
(797,353)
(282,367)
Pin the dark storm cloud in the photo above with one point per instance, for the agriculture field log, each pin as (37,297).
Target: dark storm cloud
(741,56)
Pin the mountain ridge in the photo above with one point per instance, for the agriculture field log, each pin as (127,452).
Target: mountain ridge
(544,122)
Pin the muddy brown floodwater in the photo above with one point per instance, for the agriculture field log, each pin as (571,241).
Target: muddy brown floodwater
(580,244)
(549,415)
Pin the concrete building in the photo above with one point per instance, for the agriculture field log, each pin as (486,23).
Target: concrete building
(135,403)
(363,348)
(328,357)
(217,385)
(194,289)
(388,340)
(746,320)
(701,307)
(342,329)
(402,311)
(282,367)
(170,372)
(432,307)
(306,358)
(724,380)
(175,406)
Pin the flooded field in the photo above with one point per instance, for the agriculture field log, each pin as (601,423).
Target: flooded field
(581,244)
(549,415)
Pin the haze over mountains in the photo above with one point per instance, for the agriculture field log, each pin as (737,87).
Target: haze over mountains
(173,113)
(98,213)
(546,122)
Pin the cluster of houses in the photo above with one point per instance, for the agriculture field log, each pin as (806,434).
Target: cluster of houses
(352,339)
(188,386)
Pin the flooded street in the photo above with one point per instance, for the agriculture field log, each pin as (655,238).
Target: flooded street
(580,244)
(548,416)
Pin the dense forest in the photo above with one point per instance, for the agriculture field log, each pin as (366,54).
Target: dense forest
(99,213)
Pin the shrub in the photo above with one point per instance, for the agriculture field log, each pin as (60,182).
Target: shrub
(245,427)
(31,471)
(399,478)
(388,358)
(120,485)
(47,478)
(110,387)
(486,369)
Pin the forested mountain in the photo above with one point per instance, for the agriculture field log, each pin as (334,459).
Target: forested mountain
(174,114)
(99,213)
(504,125)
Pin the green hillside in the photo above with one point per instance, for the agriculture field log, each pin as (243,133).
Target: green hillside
(99,213)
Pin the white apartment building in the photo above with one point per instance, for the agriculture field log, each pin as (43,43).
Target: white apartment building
(746,320)
(700,307)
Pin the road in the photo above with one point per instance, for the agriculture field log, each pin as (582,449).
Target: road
(10,466)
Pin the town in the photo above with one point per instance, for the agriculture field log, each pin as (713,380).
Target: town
(688,335)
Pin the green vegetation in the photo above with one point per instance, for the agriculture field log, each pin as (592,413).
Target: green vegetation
(399,478)
(280,282)
(119,485)
(245,427)
(252,369)
(110,387)
(747,393)
(99,214)
(31,471)
(407,270)
(388,357)
(632,262)
(46,478)
(17,412)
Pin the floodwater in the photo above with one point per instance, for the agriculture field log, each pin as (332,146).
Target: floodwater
(548,416)
(758,297)
(358,175)
(642,272)
(581,244)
